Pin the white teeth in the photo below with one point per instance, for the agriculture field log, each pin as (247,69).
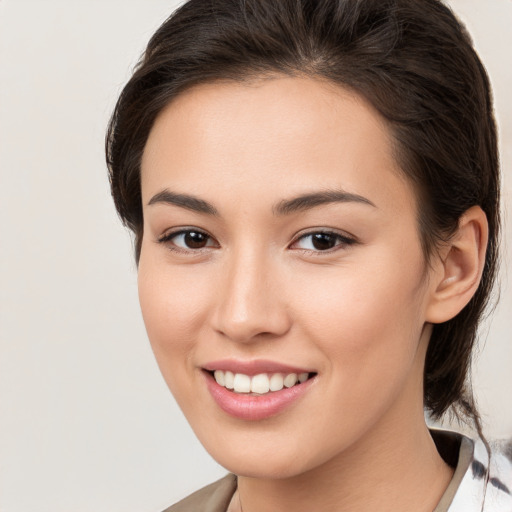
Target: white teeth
(229,379)
(242,383)
(276,382)
(290,380)
(259,384)
(219,377)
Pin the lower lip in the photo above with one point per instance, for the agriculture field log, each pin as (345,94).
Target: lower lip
(255,407)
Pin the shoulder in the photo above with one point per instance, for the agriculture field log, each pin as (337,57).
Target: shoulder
(499,477)
(483,476)
(212,498)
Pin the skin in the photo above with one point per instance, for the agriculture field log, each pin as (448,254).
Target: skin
(358,314)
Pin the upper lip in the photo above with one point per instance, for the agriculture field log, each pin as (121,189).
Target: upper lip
(253,367)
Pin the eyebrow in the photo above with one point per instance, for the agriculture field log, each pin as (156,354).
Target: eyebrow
(311,200)
(184,201)
(284,207)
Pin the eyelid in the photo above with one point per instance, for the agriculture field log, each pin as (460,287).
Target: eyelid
(346,240)
(167,236)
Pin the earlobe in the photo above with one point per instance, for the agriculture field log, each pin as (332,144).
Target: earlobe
(460,268)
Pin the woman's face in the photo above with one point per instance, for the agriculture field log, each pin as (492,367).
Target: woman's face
(280,238)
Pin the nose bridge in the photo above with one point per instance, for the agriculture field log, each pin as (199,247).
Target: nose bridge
(249,303)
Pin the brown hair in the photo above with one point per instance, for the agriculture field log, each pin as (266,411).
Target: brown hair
(412,59)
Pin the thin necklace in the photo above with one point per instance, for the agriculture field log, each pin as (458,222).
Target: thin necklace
(235,505)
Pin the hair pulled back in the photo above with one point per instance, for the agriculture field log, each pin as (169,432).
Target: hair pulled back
(412,59)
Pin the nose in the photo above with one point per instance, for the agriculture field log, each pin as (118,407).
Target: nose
(250,302)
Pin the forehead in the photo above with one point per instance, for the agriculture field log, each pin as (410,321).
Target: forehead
(271,134)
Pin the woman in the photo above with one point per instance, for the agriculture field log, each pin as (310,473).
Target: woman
(314,192)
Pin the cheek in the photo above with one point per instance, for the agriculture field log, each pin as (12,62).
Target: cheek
(367,325)
(172,306)
(367,321)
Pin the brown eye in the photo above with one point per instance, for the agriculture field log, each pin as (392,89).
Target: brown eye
(322,241)
(195,239)
(188,239)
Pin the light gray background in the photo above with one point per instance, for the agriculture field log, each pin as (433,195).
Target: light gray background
(86,422)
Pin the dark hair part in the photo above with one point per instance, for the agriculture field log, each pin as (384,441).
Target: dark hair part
(411,59)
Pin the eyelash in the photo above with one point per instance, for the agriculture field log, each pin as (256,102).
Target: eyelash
(343,241)
(167,239)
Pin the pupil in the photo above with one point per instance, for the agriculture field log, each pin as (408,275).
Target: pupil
(195,240)
(323,241)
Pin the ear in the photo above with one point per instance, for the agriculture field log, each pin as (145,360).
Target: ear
(459,270)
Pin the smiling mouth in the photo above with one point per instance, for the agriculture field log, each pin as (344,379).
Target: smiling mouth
(260,384)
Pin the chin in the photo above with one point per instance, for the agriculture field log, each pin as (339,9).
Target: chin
(262,468)
(265,456)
